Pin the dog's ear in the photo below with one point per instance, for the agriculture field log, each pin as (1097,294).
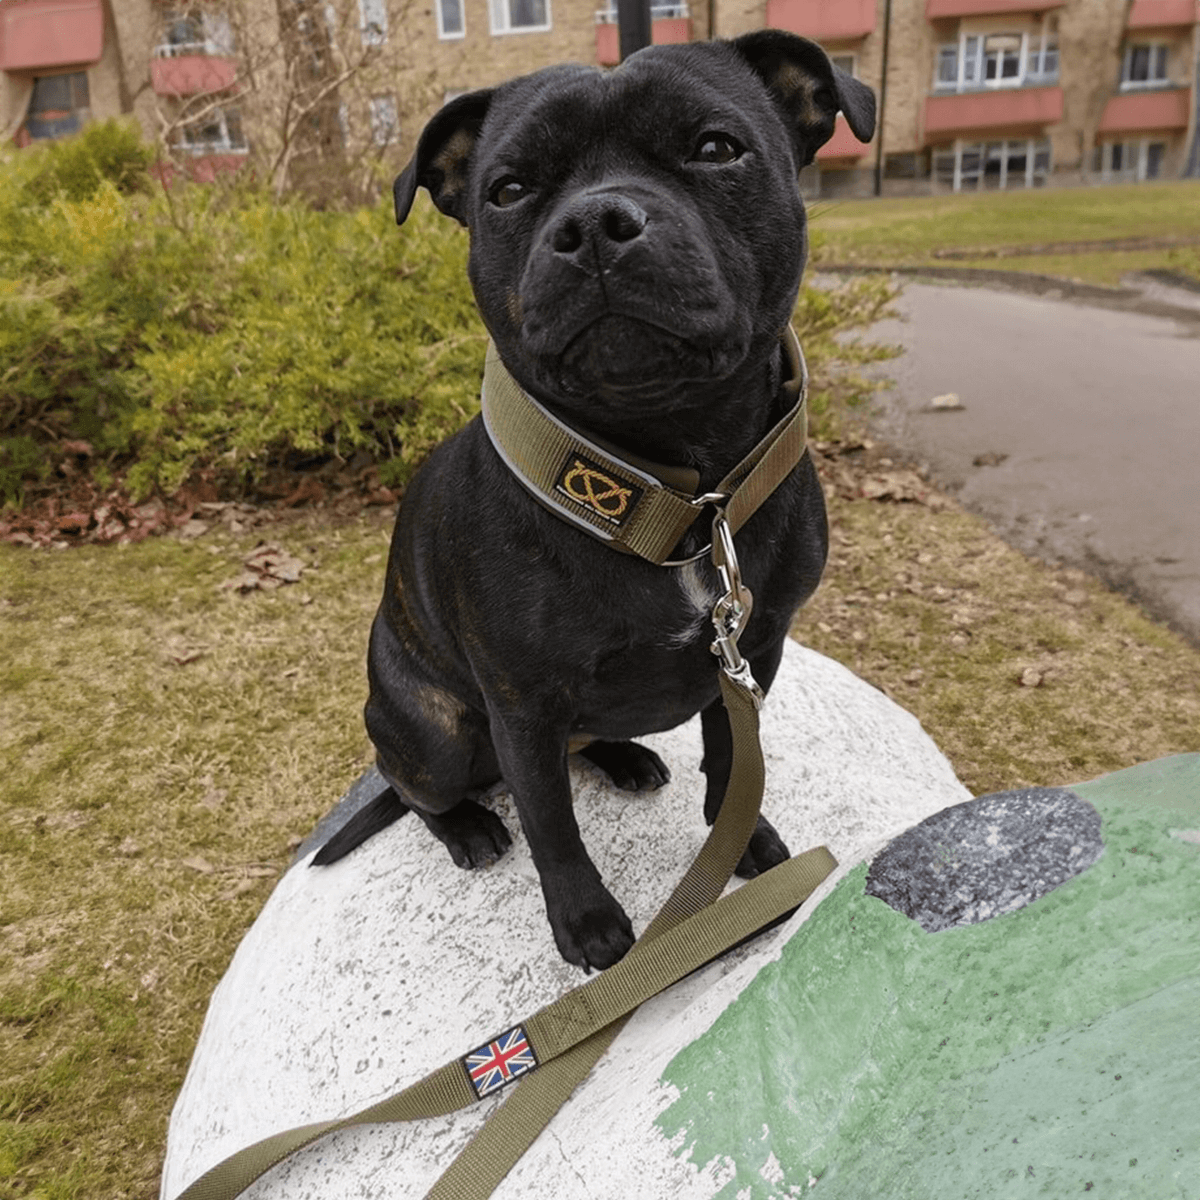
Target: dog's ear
(443,157)
(809,88)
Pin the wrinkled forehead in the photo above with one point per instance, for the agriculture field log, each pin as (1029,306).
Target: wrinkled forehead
(656,93)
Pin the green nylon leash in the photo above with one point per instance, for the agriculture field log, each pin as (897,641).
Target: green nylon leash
(511,1130)
(571,1034)
(618,991)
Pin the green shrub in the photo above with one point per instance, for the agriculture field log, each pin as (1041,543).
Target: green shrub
(103,151)
(825,320)
(20,459)
(212,328)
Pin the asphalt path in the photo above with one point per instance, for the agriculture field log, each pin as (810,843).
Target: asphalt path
(1078,431)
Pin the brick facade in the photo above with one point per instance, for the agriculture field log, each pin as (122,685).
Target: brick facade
(1069,81)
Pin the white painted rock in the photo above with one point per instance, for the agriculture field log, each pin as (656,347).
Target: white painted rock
(360,978)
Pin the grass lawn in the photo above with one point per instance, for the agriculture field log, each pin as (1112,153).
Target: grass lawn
(1024,231)
(166,741)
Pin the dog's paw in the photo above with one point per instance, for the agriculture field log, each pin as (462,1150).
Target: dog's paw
(474,835)
(631,767)
(592,935)
(766,850)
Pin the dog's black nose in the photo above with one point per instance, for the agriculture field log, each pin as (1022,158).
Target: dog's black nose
(600,220)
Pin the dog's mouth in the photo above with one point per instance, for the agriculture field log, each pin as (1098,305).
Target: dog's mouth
(621,358)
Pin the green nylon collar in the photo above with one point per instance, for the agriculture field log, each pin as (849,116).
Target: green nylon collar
(635,505)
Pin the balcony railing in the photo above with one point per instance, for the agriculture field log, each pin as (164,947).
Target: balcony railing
(1136,112)
(192,74)
(1011,108)
(1162,14)
(669,24)
(843,145)
(50,33)
(823,19)
(937,9)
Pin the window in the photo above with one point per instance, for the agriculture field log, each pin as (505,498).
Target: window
(992,166)
(190,32)
(1002,59)
(843,62)
(908,165)
(60,104)
(1144,65)
(451,23)
(1041,63)
(374,22)
(516,16)
(217,132)
(998,60)
(385,124)
(1131,162)
(960,65)
(947,67)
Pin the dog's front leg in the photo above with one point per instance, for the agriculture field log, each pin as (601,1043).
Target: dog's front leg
(766,848)
(590,927)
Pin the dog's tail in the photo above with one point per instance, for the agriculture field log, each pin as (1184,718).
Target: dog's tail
(375,815)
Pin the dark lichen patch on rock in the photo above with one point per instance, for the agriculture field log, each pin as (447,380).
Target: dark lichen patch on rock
(987,856)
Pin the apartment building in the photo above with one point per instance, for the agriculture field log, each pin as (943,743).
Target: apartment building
(980,94)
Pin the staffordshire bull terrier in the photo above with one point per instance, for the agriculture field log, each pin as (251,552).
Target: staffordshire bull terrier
(637,239)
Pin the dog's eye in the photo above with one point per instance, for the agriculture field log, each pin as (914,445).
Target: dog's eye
(716,148)
(507,191)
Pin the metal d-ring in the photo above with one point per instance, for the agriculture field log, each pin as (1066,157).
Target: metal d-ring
(719,499)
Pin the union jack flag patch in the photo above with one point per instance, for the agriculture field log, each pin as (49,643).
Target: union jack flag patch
(499,1062)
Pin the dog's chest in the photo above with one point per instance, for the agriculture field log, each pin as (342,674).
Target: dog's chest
(697,593)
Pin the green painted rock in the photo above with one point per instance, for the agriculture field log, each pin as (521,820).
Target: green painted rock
(991,998)
(1043,1040)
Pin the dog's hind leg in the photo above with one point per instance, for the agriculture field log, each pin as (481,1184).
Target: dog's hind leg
(474,835)
(631,767)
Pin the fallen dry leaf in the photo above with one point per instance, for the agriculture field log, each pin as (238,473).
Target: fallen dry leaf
(197,863)
(267,566)
(900,486)
(213,798)
(180,652)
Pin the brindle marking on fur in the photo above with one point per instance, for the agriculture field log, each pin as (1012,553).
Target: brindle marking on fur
(798,89)
(442,708)
(452,161)
(514,306)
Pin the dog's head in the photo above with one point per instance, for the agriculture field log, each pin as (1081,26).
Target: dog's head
(638,234)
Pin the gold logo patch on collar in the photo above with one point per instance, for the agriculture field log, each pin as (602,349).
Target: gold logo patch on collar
(597,490)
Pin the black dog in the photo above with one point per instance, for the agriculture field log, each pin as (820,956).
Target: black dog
(637,241)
